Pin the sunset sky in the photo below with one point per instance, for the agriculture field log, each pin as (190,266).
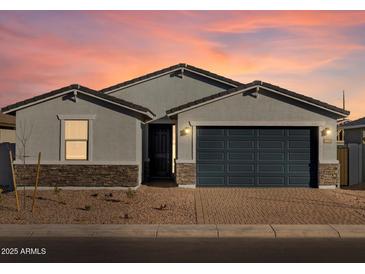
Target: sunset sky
(318,54)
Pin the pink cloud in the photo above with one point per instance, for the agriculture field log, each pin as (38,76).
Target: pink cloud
(300,50)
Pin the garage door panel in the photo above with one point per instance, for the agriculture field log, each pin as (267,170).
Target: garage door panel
(240,180)
(241,168)
(271,180)
(212,144)
(270,133)
(270,168)
(299,144)
(278,156)
(211,132)
(240,132)
(300,132)
(211,168)
(240,156)
(299,168)
(299,180)
(211,156)
(266,144)
(240,144)
(296,156)
(252,156)
(211,180)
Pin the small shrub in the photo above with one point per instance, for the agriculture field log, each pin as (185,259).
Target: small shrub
(1,191)
(126,216)
(131,193)
(56,189)
(87,207)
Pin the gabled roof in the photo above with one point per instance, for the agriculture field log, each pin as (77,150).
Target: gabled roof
(7,120)
(261,85)
(75,87)
(167,70)
(359,123)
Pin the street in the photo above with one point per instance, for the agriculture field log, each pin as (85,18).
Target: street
(92,250)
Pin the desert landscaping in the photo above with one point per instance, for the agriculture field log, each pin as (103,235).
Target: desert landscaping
(173,205)
(147,205)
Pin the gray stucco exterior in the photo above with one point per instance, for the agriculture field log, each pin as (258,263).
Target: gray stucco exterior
(114,134)
(246,110)
(170,90)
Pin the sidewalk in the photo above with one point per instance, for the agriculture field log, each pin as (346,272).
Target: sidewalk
(184,231)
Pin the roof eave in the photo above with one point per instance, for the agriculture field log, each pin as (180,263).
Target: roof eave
(345,113)
(175,68)
(9,110)
(353,127)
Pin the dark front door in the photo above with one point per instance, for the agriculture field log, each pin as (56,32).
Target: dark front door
(160,150)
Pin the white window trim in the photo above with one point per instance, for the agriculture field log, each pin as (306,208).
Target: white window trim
(89,118)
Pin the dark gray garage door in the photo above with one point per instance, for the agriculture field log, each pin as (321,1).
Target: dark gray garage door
(242,156)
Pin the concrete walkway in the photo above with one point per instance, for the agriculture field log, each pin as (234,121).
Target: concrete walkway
(184,231)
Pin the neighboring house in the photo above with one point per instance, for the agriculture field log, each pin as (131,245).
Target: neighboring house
(355,132)
(355,141)
(7,128)
(181,123)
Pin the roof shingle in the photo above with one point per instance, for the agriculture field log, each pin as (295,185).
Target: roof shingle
(356,123)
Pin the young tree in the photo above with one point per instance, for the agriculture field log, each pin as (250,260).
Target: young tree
(23,134)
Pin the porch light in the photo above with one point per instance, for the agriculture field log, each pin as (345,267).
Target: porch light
(187,130)
(326,132)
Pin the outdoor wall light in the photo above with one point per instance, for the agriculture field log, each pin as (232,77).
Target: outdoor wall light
(326,132)
(185,131)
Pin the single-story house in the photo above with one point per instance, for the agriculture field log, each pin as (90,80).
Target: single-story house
(355,132)
(7,128)
(354,139)
(182,123)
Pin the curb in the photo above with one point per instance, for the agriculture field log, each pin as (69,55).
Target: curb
(184,231)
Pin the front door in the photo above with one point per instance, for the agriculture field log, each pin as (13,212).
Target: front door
(160,150)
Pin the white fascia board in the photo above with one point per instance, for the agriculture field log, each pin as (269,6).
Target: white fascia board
(164,73)
(149,114)
(252,87)
(304,101)
(210,77)
(38,101)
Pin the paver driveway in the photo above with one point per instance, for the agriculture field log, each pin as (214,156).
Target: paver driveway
(279,206)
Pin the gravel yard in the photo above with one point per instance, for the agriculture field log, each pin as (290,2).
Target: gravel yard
(161,205)
(148,205)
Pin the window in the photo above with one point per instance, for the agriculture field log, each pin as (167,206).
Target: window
(340,135)
(76,139)
(363,137)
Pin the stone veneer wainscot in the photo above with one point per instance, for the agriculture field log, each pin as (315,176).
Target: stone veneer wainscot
(78,175)
(329,174)
(185,173)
